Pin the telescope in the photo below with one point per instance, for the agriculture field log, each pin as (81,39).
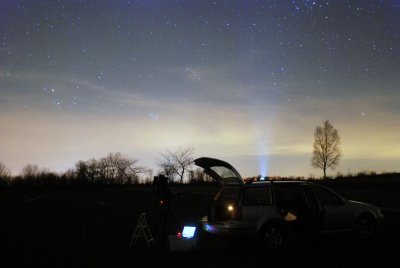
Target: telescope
(160,188)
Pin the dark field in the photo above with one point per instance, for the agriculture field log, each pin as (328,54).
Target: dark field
(93,227)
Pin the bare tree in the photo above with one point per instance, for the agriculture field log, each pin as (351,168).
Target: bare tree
(168,167)
(30,171)
(127,168)
(327,152)
(177,163)
(93,172)
(113,168)
(69,174)
(81,170)
(4,171)
(110,164)
(132,170)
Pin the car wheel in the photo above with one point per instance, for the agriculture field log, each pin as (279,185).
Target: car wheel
(364,227)
(272,236)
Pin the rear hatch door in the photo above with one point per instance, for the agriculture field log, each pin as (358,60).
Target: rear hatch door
(221,171)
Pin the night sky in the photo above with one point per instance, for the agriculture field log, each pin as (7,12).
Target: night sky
(243,81)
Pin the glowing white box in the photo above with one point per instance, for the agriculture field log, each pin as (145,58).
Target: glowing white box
(181,244)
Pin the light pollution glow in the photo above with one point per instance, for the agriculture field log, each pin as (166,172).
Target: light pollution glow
(54,140)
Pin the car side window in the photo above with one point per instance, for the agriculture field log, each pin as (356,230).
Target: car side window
(257,196)
(289,196)
(311,197)
(326,197)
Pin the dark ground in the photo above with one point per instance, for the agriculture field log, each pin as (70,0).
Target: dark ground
(92,228)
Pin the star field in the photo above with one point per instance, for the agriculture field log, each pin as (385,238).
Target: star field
(239,80)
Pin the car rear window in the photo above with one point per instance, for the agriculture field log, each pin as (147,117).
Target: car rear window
(228,193)
(224,172)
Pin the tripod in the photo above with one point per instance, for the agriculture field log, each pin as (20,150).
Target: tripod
(165,213)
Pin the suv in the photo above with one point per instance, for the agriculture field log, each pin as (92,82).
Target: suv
(275,211)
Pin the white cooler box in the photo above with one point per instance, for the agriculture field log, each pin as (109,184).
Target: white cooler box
(184,241)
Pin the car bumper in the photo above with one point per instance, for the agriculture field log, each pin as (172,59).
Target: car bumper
(228,228)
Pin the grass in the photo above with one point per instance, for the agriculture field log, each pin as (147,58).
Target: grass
(91,226)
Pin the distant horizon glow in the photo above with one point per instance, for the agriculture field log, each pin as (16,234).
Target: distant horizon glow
(245,82)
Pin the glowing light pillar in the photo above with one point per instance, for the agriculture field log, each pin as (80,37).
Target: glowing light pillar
(263,147)
(263,164)
(263,122)
(263,136)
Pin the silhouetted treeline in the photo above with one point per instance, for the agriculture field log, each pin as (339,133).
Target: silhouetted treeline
(115,169)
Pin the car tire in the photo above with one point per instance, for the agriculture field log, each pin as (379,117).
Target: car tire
(272,236)
(364,227)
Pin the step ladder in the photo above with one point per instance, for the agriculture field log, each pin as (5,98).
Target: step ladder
(142,231)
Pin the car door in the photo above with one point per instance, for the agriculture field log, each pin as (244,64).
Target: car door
(255,203)
(337,214)
(295,208)
(315,211)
